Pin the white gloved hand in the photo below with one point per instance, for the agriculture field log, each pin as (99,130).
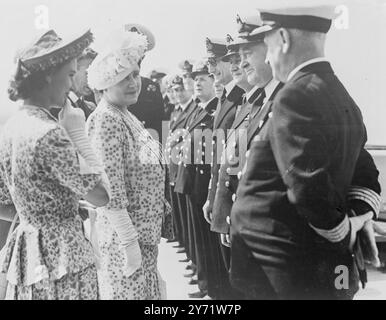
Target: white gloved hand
(133,258)
(226,240)
(357,223)
(71,118)
(371,254)
(73,121)
(207,212)
(121,222)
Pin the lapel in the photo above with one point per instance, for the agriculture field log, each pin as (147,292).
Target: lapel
(183,116)
(191,115)
(231,102)
(173,115)
(262,117)
(203,114)
(244,112)
(225,108)
(258,122)
(241,117)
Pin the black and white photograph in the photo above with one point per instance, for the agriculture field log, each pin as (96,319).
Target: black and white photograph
(206,151)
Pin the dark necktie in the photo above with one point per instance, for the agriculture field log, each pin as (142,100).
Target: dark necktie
(257,105)
(223,97)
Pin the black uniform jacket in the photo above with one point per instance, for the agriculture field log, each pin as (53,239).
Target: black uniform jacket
(223,122)
(300,165)
(149,108)
(194,170)
(234,159)
(174,141)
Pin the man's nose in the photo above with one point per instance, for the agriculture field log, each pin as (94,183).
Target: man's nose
(244,64)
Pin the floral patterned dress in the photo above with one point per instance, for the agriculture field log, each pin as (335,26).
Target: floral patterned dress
(48,256)
(133,164)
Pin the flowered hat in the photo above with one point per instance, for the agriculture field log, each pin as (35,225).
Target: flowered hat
(141,29)
(120,57)
(49,51)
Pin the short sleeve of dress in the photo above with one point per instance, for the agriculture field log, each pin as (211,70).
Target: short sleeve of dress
(57,159)
(107,134)
(5,196)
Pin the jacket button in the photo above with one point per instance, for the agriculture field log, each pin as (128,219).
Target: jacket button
(228,220)
(234,197)
(228,170)
(202,171)
(227,184)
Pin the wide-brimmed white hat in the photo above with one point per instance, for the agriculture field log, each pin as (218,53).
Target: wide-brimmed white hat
(121,56)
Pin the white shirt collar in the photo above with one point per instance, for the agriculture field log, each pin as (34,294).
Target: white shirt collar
(184,106)
(203,105)
(229,87)
(304,64)
(251,92)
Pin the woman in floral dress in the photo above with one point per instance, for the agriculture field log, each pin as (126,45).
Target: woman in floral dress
(46,167)
(129,227)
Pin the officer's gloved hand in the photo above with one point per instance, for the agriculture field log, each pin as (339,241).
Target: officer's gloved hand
(364,225)
(226,240)
(207,209)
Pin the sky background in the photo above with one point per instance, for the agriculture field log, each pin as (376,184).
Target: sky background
(357,53)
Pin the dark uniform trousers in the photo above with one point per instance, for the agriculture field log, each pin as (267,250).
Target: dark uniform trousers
(302,159)
(193,180)
(222,123)
(178,201)
(234,158)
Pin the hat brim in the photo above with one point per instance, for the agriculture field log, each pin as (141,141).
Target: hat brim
(261,31)
(228,56)
(175,86)
(199,73)
(103,85)
(66,50)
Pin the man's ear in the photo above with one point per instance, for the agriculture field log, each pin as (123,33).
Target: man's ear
(284,40)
